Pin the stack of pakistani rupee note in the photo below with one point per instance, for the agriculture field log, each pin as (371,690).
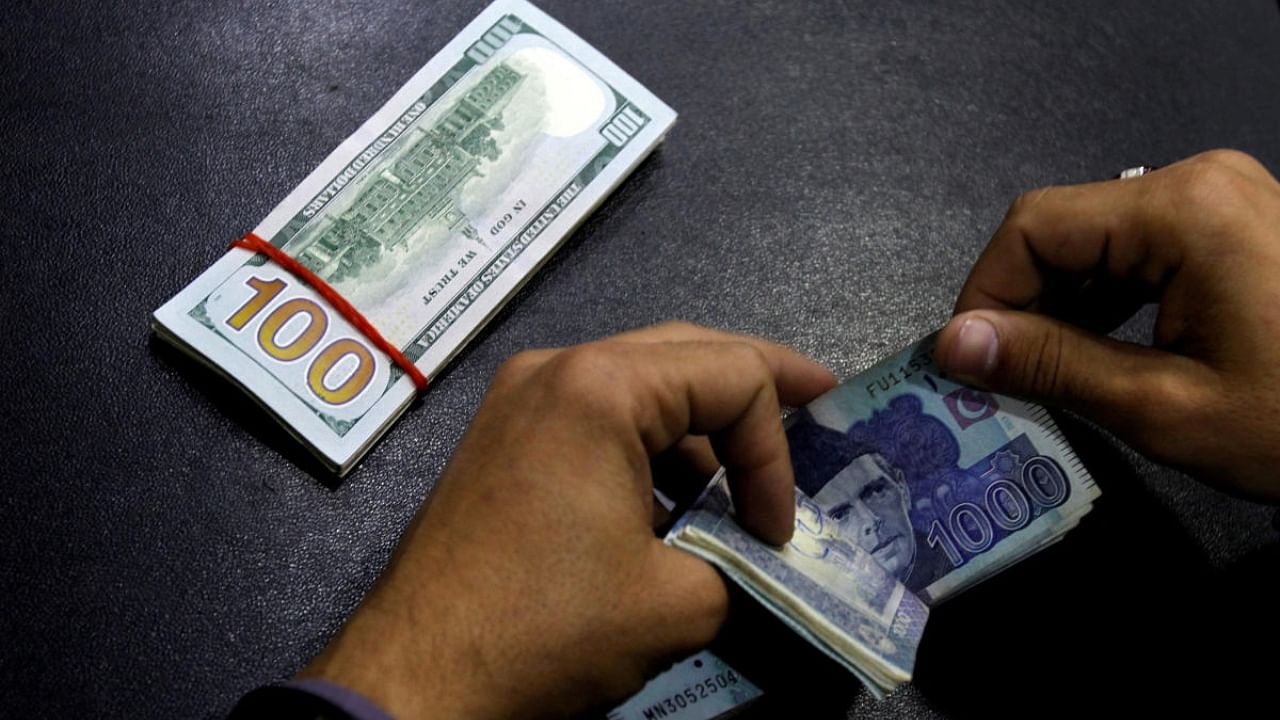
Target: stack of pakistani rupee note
(910,488)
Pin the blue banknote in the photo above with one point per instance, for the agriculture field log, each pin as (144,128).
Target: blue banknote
(844,603)
(942,484)
(910,488)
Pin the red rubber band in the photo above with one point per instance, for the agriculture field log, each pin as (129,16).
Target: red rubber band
(252,242)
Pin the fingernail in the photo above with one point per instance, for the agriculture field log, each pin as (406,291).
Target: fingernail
(974,353)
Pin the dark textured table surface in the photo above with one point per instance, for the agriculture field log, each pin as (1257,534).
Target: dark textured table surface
(835,170)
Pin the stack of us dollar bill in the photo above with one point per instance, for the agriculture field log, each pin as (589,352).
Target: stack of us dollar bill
(426,219)
(910,488)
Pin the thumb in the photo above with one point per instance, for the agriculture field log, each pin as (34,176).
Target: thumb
(1141,394)
(683,605)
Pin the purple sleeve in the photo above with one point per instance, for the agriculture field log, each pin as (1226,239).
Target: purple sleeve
(306,699)
(350,701)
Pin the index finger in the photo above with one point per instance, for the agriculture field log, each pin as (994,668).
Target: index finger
(726,390)
(798,379)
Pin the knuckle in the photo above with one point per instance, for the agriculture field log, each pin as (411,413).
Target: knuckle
(1230,158)
(1022,218)
(750,359)
(1041,365)
(1208,188)
(707,610)
(677,327)
(589,378)
(1163,412)
(515,369)
(521,363)
(1024,205)
(714,610)
(1174,411)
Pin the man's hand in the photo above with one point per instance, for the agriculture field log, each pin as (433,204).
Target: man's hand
(1201,238)
(532,584)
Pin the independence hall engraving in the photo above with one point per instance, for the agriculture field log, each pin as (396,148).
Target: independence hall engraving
(417,187)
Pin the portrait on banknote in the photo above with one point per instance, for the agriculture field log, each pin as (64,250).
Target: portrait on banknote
(890,477)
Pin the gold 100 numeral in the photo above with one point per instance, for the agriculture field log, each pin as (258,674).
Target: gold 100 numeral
(304,342)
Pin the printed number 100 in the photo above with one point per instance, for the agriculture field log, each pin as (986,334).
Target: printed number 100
(314,324)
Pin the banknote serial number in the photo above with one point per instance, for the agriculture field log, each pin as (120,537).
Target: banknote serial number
(691,695)
(919,362)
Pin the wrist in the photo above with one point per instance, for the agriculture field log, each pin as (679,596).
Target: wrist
(407,663)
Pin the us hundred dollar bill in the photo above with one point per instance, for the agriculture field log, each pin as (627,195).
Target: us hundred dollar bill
(427,219)
(910,488)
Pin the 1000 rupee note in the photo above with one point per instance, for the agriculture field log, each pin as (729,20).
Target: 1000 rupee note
(941,483)
(426,219)
(909,488)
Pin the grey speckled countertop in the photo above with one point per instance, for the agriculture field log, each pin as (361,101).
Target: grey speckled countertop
(836,168)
